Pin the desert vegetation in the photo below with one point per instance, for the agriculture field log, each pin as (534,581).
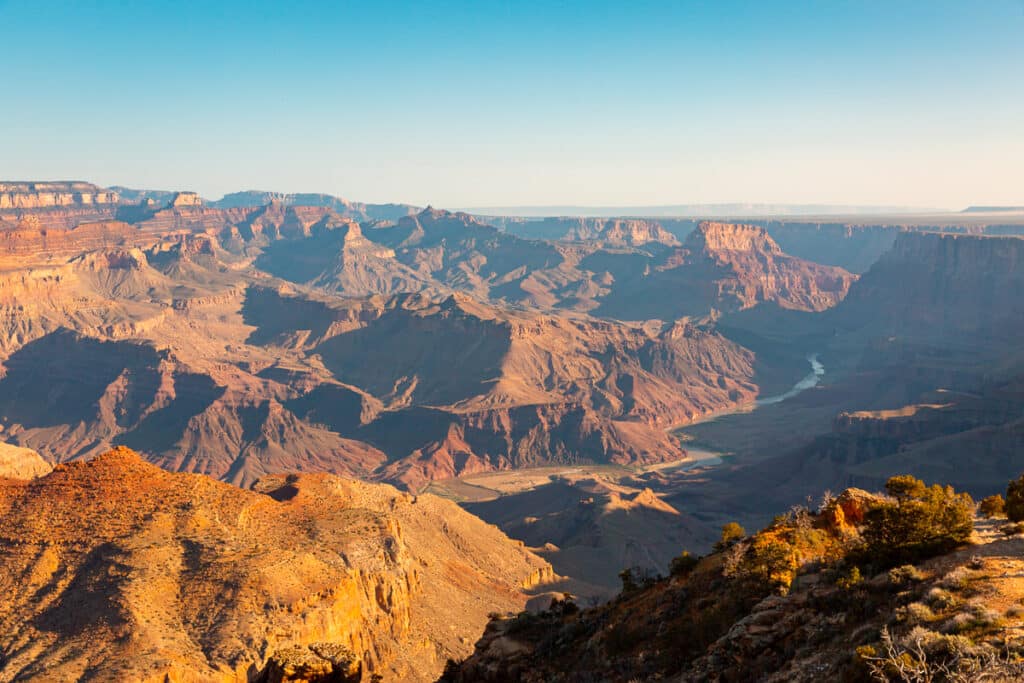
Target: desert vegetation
(891,586)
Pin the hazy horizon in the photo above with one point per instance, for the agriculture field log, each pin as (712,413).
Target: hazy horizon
(524,104)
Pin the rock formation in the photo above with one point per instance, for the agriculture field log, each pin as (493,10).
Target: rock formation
(349,209)
(21,463)
(181,199)
(115,569)
(726,268)
(612,232)
(45,195)
(938,287)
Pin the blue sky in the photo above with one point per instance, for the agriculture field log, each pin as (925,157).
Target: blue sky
(505,103)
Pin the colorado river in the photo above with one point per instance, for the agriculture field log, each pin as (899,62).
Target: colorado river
(808,382)
(701,457)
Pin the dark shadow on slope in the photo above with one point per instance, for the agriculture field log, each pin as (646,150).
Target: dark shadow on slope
(163,428)
(59,379)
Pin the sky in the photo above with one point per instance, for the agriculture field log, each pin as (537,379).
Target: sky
(470,104)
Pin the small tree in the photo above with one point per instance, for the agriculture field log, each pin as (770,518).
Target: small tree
(924,521)
(904,487)
(992,506)
(684,564)
(1015,500)
(628,581)
(636,577)
(731,533)
(768,561)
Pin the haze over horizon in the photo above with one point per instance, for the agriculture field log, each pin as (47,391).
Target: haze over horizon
(502,104)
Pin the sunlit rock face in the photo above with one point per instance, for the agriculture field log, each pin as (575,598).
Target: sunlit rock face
(116,567)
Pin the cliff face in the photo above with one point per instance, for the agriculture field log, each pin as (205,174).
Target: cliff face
(30,242)
(727,268)
(746,265)
(349,209)
(43,195)
(144,575)
(937,287)
(181,199)
(621,232)
(611,232)
(719,239)
(852,247)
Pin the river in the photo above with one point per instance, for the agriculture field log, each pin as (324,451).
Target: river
(700,457)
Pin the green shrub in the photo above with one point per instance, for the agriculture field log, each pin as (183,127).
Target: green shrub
(941,599)
(957,579)
(915,613)
(992,506)
(904,487)
(683,564)
(564,607)
(731,533)
(635,578)
(628,581)
(922,522)
(849,580)
(1015,500)
(767,562)
(906,573)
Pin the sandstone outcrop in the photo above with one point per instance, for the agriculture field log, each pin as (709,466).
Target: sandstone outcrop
(21,463)
(181,199)
(32,244)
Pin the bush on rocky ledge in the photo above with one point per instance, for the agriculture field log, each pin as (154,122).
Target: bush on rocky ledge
(918,522)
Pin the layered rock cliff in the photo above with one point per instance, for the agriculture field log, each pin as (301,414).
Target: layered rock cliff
(612,232)
(937,287)
(727,268)
(350,209)
(45,195)
(852,247)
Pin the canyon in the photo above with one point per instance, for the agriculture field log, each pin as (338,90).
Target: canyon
(267,366)
(213,339)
